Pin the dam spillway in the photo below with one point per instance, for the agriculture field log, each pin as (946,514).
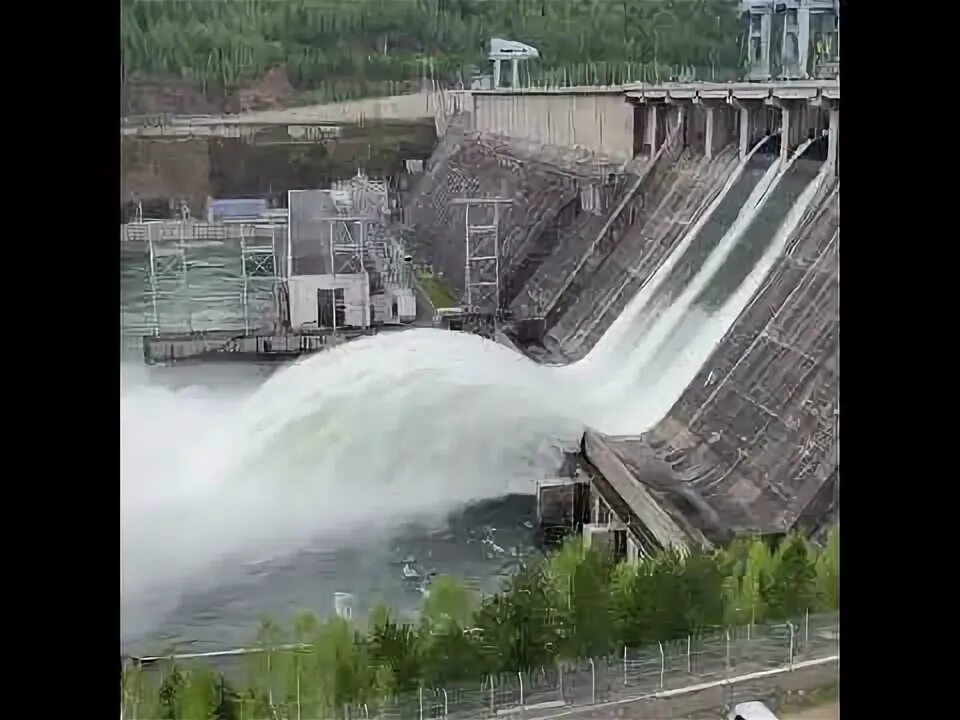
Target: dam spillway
(587,282)
(755,436)
(510,402)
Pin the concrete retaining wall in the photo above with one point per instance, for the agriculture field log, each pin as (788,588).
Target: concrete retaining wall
(603,123)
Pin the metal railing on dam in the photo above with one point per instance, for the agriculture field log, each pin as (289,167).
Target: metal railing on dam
(308,122)
(179,231)
(492,110)
(698,672)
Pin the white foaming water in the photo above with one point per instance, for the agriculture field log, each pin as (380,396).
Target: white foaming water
(648,334)
(627,329)
(327,450)
(686,362)
(371,434)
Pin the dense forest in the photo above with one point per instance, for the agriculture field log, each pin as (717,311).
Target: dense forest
(363,47)
(577,603)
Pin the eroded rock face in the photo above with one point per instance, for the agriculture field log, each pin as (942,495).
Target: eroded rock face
(756,434)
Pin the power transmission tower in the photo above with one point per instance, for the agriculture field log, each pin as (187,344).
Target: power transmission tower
(481,268)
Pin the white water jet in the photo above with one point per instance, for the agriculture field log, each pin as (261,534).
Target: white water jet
(360,438)
(626,329)
(683,368)
(328,450)
(643,328)
(739,300)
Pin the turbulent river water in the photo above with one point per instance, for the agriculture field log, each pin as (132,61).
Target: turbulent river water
(246,491)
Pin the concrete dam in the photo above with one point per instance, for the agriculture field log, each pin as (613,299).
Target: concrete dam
(673,295)
(728,208)
(680,242)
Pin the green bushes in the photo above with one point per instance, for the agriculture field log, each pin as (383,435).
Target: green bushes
(372,43)
(575,604)
(437,290)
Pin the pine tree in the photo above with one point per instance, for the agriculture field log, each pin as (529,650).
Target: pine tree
(828,573)
(200,696)
(790,588)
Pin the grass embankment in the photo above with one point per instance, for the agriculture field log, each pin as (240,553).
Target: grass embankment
(437,290)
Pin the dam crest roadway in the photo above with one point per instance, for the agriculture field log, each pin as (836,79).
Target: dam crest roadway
(600,119)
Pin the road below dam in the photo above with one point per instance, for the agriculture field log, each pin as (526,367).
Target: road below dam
(688,313)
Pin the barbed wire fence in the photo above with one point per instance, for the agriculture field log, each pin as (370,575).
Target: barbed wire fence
(707,670)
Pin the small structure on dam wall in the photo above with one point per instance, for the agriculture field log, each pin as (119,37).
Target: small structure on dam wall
(752,446)
(797,39)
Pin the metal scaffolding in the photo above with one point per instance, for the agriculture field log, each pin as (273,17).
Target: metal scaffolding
(342,231)
(258,264)
(348,251)
(167,266)
(481,269)
(168,246)
(362,203)
(339,225)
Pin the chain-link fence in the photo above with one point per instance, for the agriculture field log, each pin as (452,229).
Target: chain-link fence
(704,671)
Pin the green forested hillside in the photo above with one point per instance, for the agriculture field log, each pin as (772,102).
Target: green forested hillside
(365,45)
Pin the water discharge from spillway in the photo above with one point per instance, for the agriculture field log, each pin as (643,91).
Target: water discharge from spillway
(396,426)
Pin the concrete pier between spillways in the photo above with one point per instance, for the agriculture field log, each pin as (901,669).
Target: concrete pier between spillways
(744,112)
(753,445)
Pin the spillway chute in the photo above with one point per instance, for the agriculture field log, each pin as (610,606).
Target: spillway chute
(626,328)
